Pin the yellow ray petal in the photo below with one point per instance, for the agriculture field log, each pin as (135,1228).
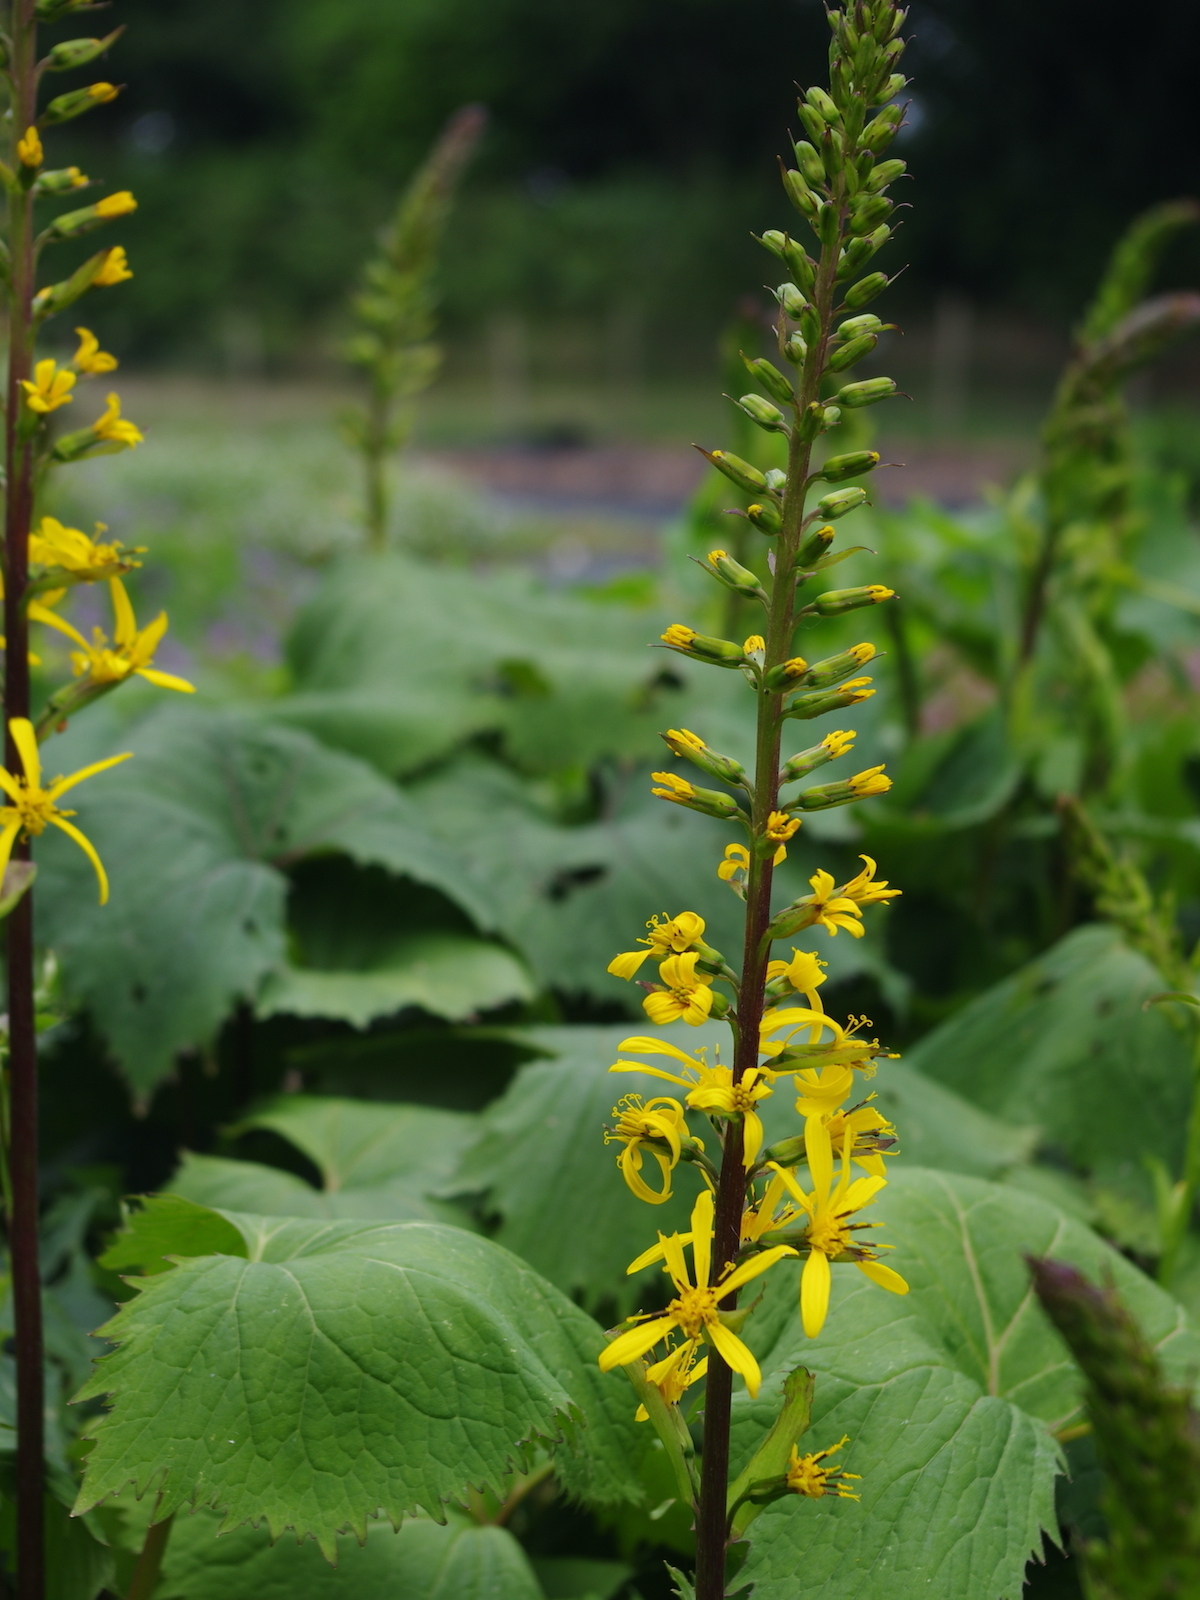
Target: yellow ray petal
(9,784)
(654,1072)
(631,1163)
(814,1292)
(7,840)
(752,1138)
(793,1188)
(635,1343)
(883,1276)
(702,1228)
(89,850)
(148,641)
(751,1269)
(645,1045)
(655,1253)
(627,963)
(25,740)
(39,613)
(124,625)
(165,680)
(674,1260)
(61,785)
(819,1150)
(735,1354)
(861,1192)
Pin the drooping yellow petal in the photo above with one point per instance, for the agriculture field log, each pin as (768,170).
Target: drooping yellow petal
(10,785)
(756,1265)
(883,1276)
(674,1261)
(124,625)
(752,1138)
(654,1253)
(631,1163)
(39,613)
(819,1149)
(702,1230)
(165,680)
(861,1192)
(644,1044)
(61,785)
(89,850)
(627,963)
(735,1354)
(814,1292)
(25,740)
(7,839)
(652,1072)
(629,1346)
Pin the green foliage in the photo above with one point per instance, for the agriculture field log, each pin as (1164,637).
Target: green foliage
(951,1396)
(346,1371)
(165,1227)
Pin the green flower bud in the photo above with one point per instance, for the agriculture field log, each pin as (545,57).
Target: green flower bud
(765,518)
(836,602)
(811,420)
(801,196)
(814,547)
(60,180)
(809,161)
(867,323)
(851,465)
(828,223)
(845,355)
(812,120)
(78,52)
(771,378)
(887,172)
(830,417)
(836,669)
(736,470)
(824,106)
(837,504)
(701,647)
(711,802)
(732,574)
(881,130)
(801,265)
(792,301)
(891,88)
(52,10)
(866,289)
(859,251)
(807,761)
(820,703)
(64,107)
(861,787)
(775,242)
(691,748)
(763,412)
(867,211)
(867,392)
(795,349)
(776,480)
(58,296)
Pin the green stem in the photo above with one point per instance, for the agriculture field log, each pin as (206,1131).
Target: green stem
(150,1560)
(1175,1226)
(375,468)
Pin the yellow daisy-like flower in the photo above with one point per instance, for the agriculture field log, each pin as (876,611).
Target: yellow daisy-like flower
(674,1375)
(113,269)
(830,1233)
(806,1475)
(113,428)
(735,868)
(695,1310)
(32,806)
(671,936)
(50,387)
(131,651)
(831,909)
(652,1123)
(803,973)
(89,357)
(29,149)
(686,994)
(781,827)
(710,1089)
(72,552)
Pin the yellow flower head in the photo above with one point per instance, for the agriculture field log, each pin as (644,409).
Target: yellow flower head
(734,868)
(796,667)
(672,788)
(113,269)
(857,690)
(71,551)
(678,634)
(113,428)
(101,93)
(29,149)
(131,651)
(674,1375)
(806,1475)
(878,592)
(754,644)
(863,653)
(51,387)
(709,1089)
(89,357)
(686,993)
(873,781)
(654,1123)
(116,205)
(830,1233)
(695,1310)
(32,807)
(781,827)
(672,936)
(839,742)
(718,555)
(803,972)
(864,890)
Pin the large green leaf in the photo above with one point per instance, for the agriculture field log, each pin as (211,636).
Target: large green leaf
(377,1162)
(347,1370)
(547,1173)
(1065,1044)
(195,833)
(950,1395)
(423,1561)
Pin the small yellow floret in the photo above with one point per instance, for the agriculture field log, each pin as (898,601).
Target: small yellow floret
(115,267)
(29,149)
(678,634)
(116,205)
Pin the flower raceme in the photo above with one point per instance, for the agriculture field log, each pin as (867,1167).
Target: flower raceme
(695,1311)
(32,807)
(131,651)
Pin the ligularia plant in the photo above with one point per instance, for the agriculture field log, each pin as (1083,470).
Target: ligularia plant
(43,561)
(802,1200)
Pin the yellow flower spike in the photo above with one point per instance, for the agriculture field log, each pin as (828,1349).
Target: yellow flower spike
(50,388)
(114,268)
(33,806)
(674,1375)
(72,551)
(671,936)
(695,1311)
(131,651)
(806,1475)
(651,1123)
(113,428)
(116,205)
(29,149)
(686,994)
(89,357)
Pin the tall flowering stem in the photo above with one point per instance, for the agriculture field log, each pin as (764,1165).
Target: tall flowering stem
(755,1212)
(42,564)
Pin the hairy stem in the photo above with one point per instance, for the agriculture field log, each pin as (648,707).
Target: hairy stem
(22,1062)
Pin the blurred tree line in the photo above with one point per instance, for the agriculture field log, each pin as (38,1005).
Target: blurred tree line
(267,144)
